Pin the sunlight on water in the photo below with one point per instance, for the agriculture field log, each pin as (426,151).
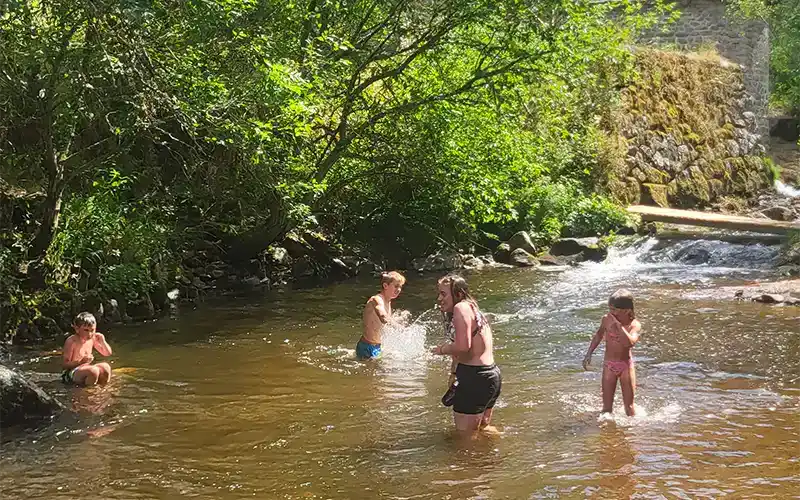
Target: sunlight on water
(300,415)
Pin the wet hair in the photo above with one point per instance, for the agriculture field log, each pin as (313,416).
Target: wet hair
(458,287)
(460,291)
(392,277)
(84,319)
(622,299)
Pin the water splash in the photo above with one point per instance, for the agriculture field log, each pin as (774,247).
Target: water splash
(786,190)
(403,343)
(425,314)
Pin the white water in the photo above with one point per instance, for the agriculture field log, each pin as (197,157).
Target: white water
(786,190)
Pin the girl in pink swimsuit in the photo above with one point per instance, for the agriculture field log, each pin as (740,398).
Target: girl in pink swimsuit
(621,330)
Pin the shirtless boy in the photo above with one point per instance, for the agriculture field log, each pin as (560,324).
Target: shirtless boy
(78,367)
(621,330)
(378,312)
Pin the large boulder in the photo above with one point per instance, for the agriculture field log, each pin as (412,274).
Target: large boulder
(23,402)
(572,246)
(474,263)
(522,240)
(368,268)
(580,249)
(502,253)
(142,308)
(595,254)
(521,258)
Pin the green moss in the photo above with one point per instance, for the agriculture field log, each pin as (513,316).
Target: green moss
(655,194)
(687,99)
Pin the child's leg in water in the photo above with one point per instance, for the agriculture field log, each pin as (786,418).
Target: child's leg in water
(609,388)
(627,382)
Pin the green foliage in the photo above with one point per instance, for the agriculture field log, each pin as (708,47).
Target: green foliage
(110,239)
(152,127)
(783,17)
(595,215)
(773,170)
(550,211)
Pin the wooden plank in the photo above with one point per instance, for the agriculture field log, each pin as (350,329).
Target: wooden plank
(709,219)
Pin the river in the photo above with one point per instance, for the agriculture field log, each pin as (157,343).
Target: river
(262,398)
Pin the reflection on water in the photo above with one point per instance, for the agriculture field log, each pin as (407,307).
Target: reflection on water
(265,398)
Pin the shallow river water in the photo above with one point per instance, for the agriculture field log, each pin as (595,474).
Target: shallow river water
(262,398)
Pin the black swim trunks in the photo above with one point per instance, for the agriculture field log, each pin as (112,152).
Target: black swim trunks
(478,388)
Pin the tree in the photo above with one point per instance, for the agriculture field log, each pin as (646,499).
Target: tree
(783,17)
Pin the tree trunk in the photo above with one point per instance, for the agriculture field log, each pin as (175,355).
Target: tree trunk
(52,204)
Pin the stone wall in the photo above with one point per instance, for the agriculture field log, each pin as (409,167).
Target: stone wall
(683,136)
(703,23)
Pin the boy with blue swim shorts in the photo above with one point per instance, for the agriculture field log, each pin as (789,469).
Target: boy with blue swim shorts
(378,312)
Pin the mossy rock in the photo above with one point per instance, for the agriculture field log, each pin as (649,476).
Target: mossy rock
(655,194)
(693,189)
(691,100)
(716,188)
(624,192)
(656,176)
(632,191)
(638,174)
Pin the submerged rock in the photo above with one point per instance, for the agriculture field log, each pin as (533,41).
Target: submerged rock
(552,260)
(22,401)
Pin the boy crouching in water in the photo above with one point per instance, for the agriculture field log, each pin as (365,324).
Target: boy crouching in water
(378,312)
(621,330)
(78,367)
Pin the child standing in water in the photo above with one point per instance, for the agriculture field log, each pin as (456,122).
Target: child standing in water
(621,330)
(378,312)
(78,357)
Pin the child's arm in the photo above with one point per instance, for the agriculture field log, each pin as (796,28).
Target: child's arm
(596,339)
(633,332)
(463,335)
(101,345)
(453,366)
(380,310)
(463,328)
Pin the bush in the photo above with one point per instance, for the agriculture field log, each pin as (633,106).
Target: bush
(110,241)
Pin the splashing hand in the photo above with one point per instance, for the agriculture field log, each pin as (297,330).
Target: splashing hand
(587,360)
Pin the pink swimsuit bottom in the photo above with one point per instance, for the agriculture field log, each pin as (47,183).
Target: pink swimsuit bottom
(619,367)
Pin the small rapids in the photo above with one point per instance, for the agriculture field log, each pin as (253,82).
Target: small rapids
(267,400)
